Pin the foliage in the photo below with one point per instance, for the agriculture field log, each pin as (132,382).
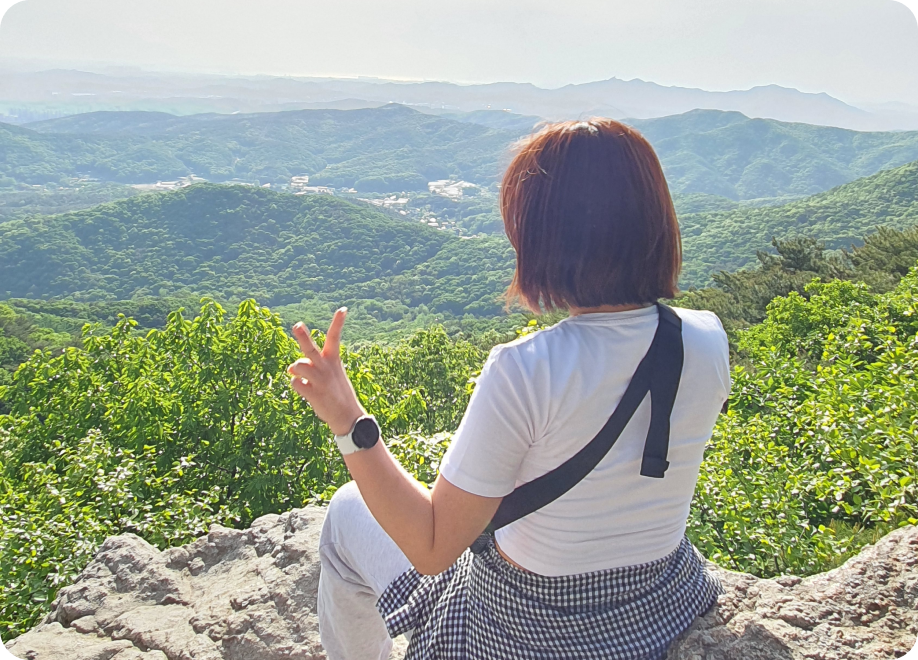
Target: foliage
(816,455)
(69,317)
(318,252)
(740,298)
(473,214)
(55,513)
(21,200)
(20,335)
(194,423)
(378,149)
(502,119)
(731,155)
(700,203)
(394,148)
(164,425)
(839,218)
(237,241)
(164,434)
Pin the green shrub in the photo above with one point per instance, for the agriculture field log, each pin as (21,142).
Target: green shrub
(166,433)
(816,456)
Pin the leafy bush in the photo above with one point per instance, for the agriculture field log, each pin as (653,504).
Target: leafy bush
(55,513)
(741,298)
(163,434)
(816,455)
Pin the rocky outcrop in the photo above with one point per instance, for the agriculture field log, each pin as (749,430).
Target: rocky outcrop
(246,595)
(231,595)
(866,609)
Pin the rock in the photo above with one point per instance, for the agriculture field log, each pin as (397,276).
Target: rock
(242,595)
(231,595)
(866,609)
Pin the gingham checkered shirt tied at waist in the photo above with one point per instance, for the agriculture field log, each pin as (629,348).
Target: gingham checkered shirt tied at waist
(484,608)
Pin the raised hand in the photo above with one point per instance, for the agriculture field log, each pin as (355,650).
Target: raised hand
(320,378)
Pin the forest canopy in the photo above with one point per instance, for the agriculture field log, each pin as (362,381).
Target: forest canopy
(129,404)
(395,148)
(318,252)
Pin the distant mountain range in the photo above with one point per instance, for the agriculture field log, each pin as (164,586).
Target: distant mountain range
(375,150)
(35,95)
(395,148)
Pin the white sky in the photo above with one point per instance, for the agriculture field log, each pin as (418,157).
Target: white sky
(857,50)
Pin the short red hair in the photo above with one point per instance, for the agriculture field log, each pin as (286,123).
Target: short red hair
(588,211)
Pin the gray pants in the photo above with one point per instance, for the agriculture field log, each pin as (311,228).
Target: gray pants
(359,561)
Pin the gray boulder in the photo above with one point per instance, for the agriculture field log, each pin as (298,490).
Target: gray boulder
(247,595)
(866,609)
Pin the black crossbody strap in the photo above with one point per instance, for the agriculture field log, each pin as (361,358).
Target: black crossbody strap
(668,358)
(658,373)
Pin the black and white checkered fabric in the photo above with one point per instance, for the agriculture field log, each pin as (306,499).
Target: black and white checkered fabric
(483,608)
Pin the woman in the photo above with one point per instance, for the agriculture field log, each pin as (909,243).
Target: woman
(604,571)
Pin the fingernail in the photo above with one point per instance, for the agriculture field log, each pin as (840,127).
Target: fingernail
(343,309)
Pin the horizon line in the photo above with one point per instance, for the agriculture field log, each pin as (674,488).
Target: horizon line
(111,69)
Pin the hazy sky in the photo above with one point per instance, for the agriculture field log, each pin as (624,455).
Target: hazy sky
(857,50)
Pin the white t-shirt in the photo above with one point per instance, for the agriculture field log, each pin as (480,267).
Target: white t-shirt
(542,398)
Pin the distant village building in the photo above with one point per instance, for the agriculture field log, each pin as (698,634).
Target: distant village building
(315,190)
(449,189)
(298,183)
(161,186)
(387,203)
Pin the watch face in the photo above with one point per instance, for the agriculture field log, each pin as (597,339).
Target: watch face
(366,433)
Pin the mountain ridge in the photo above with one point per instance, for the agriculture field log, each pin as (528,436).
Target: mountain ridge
(840,218)
(317,251)
(395,148)
(29,92)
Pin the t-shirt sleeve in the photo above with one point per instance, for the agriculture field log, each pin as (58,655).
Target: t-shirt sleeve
(724,364)
(496,432)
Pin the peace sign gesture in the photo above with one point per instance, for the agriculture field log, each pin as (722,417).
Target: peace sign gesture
(319,377)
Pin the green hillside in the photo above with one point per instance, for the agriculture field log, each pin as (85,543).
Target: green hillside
(374,150)
(316,252)
(163,434)
(840,217)
(731,155)
(234,242)
(395,148)
(32,158)
(22,200)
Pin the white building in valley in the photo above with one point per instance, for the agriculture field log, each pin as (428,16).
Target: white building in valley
(450,189)
(298,183)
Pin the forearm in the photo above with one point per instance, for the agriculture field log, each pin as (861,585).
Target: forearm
(401,505)
(431,527)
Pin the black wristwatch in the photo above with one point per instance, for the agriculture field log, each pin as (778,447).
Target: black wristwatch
(363,435)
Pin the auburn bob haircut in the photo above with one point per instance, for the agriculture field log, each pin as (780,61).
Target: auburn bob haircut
(587,209)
